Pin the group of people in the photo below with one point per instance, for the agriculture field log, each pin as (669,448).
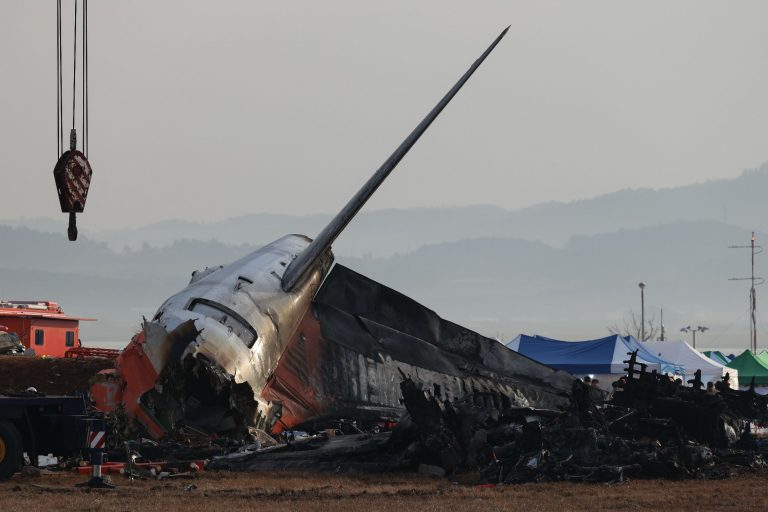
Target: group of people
(712,389)
(597,395)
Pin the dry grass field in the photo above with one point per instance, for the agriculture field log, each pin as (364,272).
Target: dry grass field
(333,492)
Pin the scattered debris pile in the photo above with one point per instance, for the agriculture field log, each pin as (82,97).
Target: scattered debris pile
(321,452)
(651,427)
(655,405)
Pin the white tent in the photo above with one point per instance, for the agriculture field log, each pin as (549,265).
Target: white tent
(681,353)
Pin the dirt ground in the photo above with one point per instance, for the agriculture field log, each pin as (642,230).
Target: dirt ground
(53,376)
(305,492)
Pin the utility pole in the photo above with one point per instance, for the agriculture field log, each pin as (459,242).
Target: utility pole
(662,337)
(754,249)
(642,311)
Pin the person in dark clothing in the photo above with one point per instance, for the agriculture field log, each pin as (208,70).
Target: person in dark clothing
(595,393)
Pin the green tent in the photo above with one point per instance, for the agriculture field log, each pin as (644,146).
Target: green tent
(763,357)
(750,365)
(717,357)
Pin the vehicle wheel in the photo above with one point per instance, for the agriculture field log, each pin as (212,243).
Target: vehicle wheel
(11,449)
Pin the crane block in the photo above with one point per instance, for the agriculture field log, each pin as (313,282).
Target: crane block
(73,179)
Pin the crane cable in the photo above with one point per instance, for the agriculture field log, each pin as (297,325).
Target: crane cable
(60,148)
(85,78)
(59,106)
(72,172)
(74,76)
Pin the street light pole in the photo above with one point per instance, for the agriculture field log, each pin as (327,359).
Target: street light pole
(693,331)
(642,311)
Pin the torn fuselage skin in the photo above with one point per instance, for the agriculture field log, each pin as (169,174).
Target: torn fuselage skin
(210,349)
(361,338)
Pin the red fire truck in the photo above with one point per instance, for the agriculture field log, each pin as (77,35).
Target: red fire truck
(42,326)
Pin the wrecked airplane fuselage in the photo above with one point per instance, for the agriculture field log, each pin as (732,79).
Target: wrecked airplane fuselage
(232,350)
(275,340)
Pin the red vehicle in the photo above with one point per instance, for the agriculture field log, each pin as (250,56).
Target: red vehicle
(42,326)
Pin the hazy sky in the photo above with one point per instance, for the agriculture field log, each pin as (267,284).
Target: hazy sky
(207,110)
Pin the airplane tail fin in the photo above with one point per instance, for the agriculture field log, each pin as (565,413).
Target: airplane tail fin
(306,260)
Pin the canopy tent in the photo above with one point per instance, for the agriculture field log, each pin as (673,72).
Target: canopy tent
(666,364)
(683,355)
(718,357)
(749,365)
(763,356)
(604,356)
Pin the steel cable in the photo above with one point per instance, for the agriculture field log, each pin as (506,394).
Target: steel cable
(74,67)
(59,83)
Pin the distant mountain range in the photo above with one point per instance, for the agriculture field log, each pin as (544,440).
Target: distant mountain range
(499,286)
(566,270)
(739,201)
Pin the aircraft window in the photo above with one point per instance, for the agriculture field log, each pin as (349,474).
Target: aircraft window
(242,281)
(227,317)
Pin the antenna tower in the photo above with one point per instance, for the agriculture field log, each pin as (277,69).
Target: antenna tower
(756,281)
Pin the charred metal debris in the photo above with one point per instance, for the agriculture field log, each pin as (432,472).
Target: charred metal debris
(200,396)
(652,427)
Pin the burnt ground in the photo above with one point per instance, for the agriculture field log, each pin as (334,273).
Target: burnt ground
(286,491)
(52,376)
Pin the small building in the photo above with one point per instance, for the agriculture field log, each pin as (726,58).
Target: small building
(42,326)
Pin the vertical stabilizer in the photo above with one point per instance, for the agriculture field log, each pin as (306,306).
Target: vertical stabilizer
(306,260)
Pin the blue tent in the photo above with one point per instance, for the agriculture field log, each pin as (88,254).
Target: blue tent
(601,356)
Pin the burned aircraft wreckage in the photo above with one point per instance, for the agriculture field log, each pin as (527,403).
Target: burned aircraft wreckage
(280,339)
